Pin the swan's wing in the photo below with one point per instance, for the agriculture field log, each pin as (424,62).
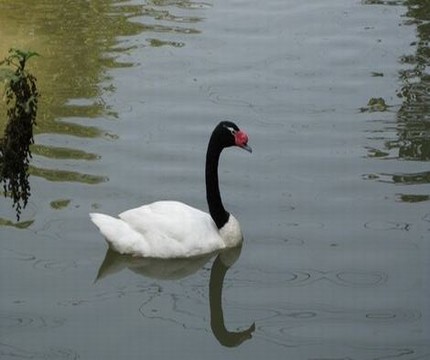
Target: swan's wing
(174,229)
(120,235)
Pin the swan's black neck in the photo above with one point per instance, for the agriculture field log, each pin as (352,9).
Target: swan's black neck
(213,196)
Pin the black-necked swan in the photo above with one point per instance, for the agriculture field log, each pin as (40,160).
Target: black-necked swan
(171,229)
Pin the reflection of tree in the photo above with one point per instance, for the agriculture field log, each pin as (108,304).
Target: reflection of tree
(72,39)
(21,98)
(412,142)
(414,113)
(79,41)
(71,42)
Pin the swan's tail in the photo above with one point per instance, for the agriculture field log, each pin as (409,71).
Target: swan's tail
(119,235)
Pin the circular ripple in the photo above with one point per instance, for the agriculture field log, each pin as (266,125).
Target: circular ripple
(294,278)
(299,278)
(360,278)
(12,321)
(54,265)
(381,316)
(387,225)
(302,315)
(307,225)
(396,315)
(9,352)
(12,254)
(293,241)
(114,294)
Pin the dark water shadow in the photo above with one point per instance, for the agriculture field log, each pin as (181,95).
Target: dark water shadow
(175,269)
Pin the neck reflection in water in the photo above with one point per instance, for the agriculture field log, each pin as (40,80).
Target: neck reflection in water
(219,268)
(175,269)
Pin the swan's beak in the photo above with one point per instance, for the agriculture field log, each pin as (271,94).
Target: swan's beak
(246,147)
(241,140)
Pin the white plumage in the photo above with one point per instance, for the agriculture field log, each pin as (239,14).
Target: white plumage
(166,229)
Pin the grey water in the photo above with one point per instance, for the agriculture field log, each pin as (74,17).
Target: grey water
(334,201)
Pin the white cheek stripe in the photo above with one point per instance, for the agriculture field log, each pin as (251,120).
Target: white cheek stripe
(233,131)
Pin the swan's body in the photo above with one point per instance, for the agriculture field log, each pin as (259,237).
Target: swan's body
(166,229)
(171,229)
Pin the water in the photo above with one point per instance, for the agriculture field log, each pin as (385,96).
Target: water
(333,202)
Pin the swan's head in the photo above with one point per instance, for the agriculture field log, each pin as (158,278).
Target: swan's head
(230,135)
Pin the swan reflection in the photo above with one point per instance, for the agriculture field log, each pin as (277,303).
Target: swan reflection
(161,269)
(174,269)
(219,268)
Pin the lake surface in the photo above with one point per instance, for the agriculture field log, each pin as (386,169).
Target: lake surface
(334,202)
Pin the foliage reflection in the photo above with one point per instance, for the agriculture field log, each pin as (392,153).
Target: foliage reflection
(79,42)
(412,141)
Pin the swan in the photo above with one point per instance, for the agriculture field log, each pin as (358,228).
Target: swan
(172,229)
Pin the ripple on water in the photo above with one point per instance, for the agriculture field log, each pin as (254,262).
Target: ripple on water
(286,327)
(253,277)
(306,225)
(359,278)
(19,321)
(10,352)
(188,309)
(179,309)
(43,264)
(387,225)
(117,293)
(54,265)
(15,255)
(393,315)
(347,278)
